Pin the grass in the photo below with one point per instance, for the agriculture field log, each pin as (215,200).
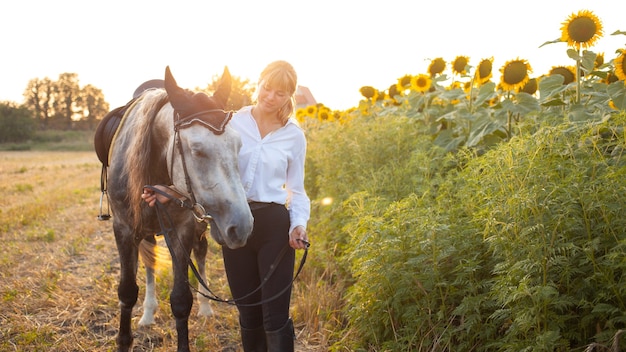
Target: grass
(53,140)
(59,269)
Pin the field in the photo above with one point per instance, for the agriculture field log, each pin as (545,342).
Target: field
(59,267)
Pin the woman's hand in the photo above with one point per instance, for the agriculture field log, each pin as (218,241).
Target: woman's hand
(149,196)
(298,238)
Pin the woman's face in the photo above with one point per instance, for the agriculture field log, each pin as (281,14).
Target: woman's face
(270,99)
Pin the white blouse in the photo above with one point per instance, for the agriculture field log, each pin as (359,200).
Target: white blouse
(272,168)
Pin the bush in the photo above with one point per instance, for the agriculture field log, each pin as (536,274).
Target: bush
(16,123)
(520,248)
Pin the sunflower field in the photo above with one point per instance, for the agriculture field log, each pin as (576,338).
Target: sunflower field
(461,214)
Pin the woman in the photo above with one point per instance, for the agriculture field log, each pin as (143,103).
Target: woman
(271,165)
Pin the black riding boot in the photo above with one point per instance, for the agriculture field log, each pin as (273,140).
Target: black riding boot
(253,340)
(281,340)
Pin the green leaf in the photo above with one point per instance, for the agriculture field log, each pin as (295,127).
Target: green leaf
(588,61)
(573,54)
(551,42)
(550,86)
(453,94)
(483,127)
(617,92)
(526,103)
(486,92)
(446,140)
(521,103)
(553,102)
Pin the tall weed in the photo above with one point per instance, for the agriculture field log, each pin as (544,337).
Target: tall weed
(519,248)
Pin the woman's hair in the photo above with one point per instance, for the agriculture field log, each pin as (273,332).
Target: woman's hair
(281,75)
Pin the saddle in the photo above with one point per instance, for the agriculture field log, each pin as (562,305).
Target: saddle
(105,132)
(110,123)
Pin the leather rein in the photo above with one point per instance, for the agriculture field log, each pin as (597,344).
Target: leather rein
(217,126)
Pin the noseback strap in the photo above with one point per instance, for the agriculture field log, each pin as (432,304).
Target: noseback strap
(214,119)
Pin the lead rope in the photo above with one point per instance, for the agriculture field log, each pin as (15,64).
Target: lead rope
(165,231)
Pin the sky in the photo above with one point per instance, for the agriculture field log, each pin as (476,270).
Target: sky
(336,46)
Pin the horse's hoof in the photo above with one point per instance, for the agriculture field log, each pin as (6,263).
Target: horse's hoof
(145,321)
(205,310)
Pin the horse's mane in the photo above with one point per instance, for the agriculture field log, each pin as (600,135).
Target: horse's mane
(139,154)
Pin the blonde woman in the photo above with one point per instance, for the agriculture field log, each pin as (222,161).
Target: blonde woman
(271,165)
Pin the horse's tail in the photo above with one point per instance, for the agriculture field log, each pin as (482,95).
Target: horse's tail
(153,255)
(139,153)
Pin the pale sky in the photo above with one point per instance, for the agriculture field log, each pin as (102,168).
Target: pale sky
(335,46)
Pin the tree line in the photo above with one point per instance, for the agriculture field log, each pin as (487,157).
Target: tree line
(63,104)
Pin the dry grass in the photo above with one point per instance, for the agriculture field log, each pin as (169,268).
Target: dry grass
(59,270)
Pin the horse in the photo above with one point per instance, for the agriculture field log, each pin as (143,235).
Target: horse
(176,137)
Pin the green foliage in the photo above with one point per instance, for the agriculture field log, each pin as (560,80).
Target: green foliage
(16,123)
(55,140)
(553,219)
(499,247)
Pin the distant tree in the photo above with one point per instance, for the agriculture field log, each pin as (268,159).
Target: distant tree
(241,93)
(17,123)
(38,98)
(92,105)
(67,92)
(59,104)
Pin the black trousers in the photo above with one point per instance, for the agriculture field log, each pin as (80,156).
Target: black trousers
(248,266)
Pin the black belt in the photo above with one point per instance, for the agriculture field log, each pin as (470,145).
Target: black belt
(258,205)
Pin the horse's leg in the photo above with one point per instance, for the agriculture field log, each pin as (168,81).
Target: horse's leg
(200,251)
(150,303)
(127,289)
(181,299)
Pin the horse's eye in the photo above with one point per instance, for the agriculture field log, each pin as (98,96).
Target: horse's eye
(198,150)
(199,154)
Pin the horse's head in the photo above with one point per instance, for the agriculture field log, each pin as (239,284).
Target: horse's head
(206,162)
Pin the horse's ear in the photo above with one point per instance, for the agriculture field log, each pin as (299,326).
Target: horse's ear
(174,92)
(223,90)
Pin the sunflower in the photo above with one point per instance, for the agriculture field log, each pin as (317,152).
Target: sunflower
(368,92)
(483,72)
(599,61)
(514,74)
(421,83)
(610,77)
(581,30)
(454,85)
(300,115)
(393,91)
(311,110)
(620,66)
(436,67)
(404,83)
(530,87)
(459,64)
(467,87)
(568,73)
(324,114)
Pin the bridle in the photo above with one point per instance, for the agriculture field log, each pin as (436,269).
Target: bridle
(217,124)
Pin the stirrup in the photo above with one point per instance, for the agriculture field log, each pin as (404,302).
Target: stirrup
(102,216)
(103,188)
